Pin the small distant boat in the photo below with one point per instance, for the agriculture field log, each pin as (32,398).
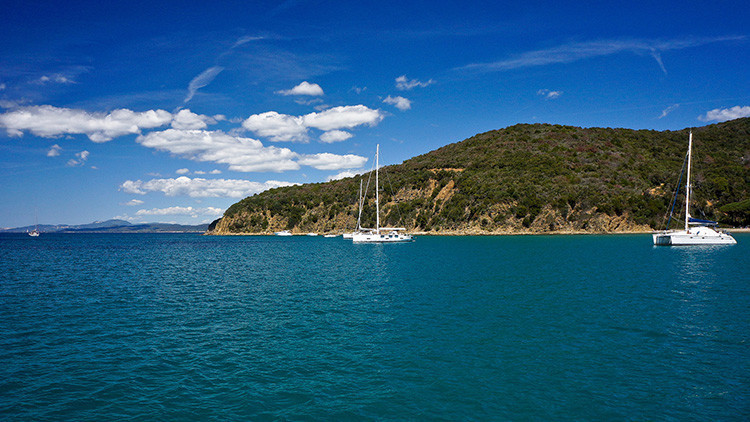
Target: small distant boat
(703,232)
(379,234)
(283,233)
(311,234)
(330,235)
(35,232)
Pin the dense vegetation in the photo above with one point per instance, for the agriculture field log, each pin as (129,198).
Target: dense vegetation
(527,178)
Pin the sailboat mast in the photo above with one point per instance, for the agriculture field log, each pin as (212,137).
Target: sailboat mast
(359,215)
(377,192)
(688,186)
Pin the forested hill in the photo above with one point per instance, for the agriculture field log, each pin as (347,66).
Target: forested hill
(526,178)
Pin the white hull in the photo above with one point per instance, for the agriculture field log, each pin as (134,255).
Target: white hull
(695,236)
(347,235)
(391,237)
(283,233)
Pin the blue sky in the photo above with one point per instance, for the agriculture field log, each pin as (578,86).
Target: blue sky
(170,111)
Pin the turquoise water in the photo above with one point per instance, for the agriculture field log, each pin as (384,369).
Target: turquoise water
(188,327)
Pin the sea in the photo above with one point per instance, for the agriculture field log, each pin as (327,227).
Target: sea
(187,327)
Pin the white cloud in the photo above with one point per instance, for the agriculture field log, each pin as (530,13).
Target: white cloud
(327,161)
(186,119)
(549,95)
(277,127)
(342,175)
(2,87)
(81,158)
(241,154)
(583,50)
(215,171)
(343,117)
(724,114)
(335,136)
(182,171)
(49,121)
(285,128)
(668,110)
(55,78)
(200,81)
(399,102)
(54,151)
(193,212)
(404,84)
(305,88)
(133,202)
(200,188)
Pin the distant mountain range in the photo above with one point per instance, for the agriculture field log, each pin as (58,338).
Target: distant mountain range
(112,226)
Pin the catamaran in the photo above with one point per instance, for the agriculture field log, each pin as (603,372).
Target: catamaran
(379,234)
(702,232)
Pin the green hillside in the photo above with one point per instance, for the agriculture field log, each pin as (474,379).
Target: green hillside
(526,178)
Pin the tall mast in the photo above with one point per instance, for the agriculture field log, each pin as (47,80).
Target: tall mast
(359,215)
(377,193)
(688,186)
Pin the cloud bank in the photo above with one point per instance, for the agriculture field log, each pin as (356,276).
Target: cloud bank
(48,121)
(240,153)
(200,188)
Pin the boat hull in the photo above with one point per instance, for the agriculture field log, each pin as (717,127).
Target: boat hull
(381,238)
(700,236)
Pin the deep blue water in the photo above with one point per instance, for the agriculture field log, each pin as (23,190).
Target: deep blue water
(187,327)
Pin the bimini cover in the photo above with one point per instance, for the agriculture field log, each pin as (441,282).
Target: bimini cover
(697,221)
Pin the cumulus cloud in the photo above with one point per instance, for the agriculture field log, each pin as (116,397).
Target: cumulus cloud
(724,114)
(305,88)
(548,94)
(277,127)
(343,117)
(186,119)
(240,154)
(193,212)
(81,158)
(182,171)
(133,203)
(285,128)
(200,188)
(399,102)
(54,151)
(202,80)
(404,84)
(327,161)
(335,136)
(49,122)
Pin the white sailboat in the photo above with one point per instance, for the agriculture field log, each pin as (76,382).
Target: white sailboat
(702,232)
(283,233)
(379,234)
(35,232)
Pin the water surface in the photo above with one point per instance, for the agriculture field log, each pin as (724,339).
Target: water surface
(173,326)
